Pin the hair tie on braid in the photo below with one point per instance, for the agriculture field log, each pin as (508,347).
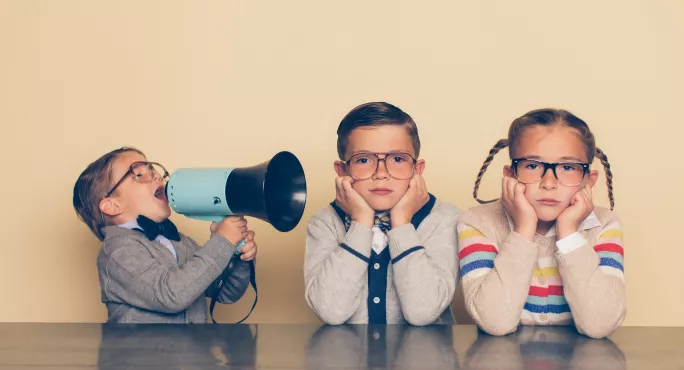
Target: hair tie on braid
(492,152)
(609,175)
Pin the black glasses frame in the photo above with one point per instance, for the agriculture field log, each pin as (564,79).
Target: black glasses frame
(549,166)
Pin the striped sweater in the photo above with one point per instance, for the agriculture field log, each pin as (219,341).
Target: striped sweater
(509,280)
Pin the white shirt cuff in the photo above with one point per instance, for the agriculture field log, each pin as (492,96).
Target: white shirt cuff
(570,243)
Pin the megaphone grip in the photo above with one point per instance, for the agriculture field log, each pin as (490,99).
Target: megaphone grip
(239,246)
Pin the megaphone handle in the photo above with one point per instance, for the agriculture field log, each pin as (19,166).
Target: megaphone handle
(239,246)
(218,219)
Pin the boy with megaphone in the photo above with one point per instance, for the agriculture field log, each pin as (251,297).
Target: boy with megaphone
(148,271)
(384,252)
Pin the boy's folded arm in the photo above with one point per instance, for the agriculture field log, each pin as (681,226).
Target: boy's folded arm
(134,277)
(593,278)
(425,276)
(495,280)
(335,273)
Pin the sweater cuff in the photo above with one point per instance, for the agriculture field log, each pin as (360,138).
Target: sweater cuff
(402,239)
(519,244)
(219,249)
(582,258)
(359,238)
(518,250)
(570,243)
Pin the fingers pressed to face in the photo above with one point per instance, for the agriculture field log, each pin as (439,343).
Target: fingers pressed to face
(339,189)
(504,188)
(414,182)
(519,190)
(511,188)
(421,184)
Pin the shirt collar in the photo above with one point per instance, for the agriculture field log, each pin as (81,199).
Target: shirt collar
(132,224)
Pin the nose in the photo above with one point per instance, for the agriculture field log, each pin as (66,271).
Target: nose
(548,180)
(381,172)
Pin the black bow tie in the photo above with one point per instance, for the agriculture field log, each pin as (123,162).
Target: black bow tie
(152,229)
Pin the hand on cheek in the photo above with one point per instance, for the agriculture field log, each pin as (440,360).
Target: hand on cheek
(411,202)
(517,206)
(352,203)
(581,206)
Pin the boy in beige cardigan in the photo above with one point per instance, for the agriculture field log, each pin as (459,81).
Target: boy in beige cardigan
(384,252)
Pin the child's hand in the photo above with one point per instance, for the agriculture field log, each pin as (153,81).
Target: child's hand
(415,198)
(352,203)
(518,207)
(249,250)
(581,206)
(233,228)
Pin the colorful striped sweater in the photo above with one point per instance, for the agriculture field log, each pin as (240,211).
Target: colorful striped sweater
(509,280)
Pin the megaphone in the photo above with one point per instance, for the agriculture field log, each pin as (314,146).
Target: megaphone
(273,191)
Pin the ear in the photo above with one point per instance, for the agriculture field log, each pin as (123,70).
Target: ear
(340,168)
(508,171)
(420,166)
(111,207)
(593,178)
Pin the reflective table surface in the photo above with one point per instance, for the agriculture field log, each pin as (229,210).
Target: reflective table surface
(295,346)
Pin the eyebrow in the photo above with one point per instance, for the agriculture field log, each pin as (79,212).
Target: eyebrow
(391,151)
(561,159)
(571,159)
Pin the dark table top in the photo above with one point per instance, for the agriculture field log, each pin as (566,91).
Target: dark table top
(301,346)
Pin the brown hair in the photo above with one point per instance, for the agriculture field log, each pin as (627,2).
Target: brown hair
(375,114)
(91,187)
(549,117)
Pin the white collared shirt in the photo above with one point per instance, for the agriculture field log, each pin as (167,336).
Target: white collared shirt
(380,240)
(572,241)
(133,224)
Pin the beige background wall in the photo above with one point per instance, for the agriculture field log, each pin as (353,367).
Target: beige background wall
(230,83)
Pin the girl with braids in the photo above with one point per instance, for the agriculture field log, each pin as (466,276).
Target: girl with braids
(543,254)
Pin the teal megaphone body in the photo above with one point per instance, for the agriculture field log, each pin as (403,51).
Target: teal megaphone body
(273,191)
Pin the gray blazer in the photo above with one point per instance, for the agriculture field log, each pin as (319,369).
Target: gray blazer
(142,282)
